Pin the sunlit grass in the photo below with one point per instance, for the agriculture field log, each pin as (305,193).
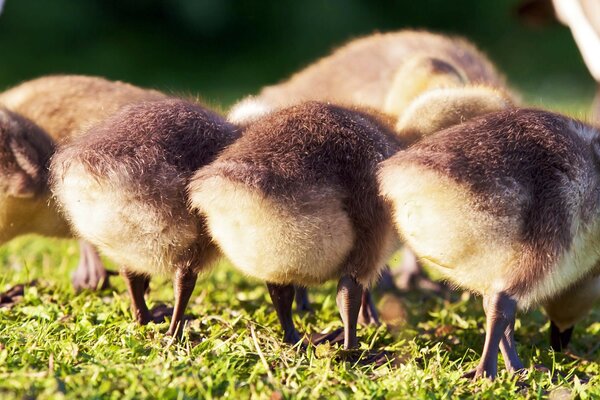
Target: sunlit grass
(56,343)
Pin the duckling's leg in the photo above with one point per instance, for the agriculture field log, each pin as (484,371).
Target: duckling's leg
(90,273)
(349,299)
(386,281)
(559,340)
(183,286)
(368,313)
(302,300)
(137,285)
(508,346)
(282,297)
(500,314)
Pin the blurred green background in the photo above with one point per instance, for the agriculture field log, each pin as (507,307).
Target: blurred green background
(224,49)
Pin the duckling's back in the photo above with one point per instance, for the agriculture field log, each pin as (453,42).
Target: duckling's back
(67,105)
(499,201)
(288,201)
(362,71)
(123,184)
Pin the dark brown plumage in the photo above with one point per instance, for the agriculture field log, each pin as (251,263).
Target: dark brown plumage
(514,198)
(25,151)
(294,201)
(123,187)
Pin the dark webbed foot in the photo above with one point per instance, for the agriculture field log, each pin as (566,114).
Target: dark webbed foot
(559,340)
(282,297)
(334,337)
(368,357)
(302,300)
(368,313)
(90,272)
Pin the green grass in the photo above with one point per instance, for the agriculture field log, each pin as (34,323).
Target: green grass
(55,343)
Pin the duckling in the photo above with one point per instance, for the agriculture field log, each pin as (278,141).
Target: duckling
(122,186)
(294,201)
(384,72)
(505,205)
(64,106)
(570,307)
(437,109)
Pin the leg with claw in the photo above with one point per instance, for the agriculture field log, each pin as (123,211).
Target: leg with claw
(349,299)
(183,286)
(90,272)
(302,301)
(508,346)
(368,313)
(501,312)
(282,297)
(136,285)
(386,281)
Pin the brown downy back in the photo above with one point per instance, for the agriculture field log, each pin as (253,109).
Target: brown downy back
(67,105)
(305,143)
(289,154)
(525,156)
(152,142)
(362,71)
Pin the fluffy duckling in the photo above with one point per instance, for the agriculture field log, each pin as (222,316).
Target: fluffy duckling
(505,205)
(573,305)
(384,72)
(123,188)
(294,201)
(63,106)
